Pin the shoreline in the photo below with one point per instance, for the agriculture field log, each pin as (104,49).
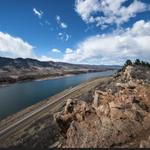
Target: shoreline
(43,101)
(5,84)
(57,77)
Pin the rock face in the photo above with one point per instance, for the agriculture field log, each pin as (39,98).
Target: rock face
(115,118)
(145,143)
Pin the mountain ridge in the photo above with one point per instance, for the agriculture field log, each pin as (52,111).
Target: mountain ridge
(7,60)
(20,69)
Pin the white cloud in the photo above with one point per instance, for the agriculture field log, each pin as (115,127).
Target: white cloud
(67,37)
(60,34)
(47,58)
(106,12)
(11,46)
(64,36)
(55,50)
(69,51)
(62,24)
(140,28)
(58,18)
(114,48)
(39,13)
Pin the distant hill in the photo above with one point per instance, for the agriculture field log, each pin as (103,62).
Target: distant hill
(12,70)
(20,63)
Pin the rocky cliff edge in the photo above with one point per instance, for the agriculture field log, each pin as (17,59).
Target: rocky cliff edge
(119,115)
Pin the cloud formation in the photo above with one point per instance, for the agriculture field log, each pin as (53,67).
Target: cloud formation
(69,51)
(38,13)
(108,12)
(64,36)
(55,50)
(62,24)
(46,58)
(11,46)
(114,48)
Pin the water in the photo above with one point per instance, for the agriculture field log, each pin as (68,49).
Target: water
(16,97)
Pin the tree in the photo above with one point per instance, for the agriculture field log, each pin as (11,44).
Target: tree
(147,64)
(143,63)
(137,62)
(128,63)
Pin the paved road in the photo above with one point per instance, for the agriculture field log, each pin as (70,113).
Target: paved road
(14,126)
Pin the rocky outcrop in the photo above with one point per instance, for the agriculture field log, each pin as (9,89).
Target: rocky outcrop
(145,143)
(113,119)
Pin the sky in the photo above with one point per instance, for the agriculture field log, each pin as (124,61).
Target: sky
(106,32)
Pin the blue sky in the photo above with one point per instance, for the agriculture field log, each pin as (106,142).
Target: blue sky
(76,31)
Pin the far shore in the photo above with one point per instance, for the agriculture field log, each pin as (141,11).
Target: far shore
(4,84)
(40,79)
(57,77)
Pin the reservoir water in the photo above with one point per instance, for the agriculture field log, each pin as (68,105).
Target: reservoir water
(18,96)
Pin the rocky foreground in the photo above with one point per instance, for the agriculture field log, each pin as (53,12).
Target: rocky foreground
(117,116)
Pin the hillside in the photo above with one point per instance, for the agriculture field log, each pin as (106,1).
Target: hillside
(118,115)
(12,70)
